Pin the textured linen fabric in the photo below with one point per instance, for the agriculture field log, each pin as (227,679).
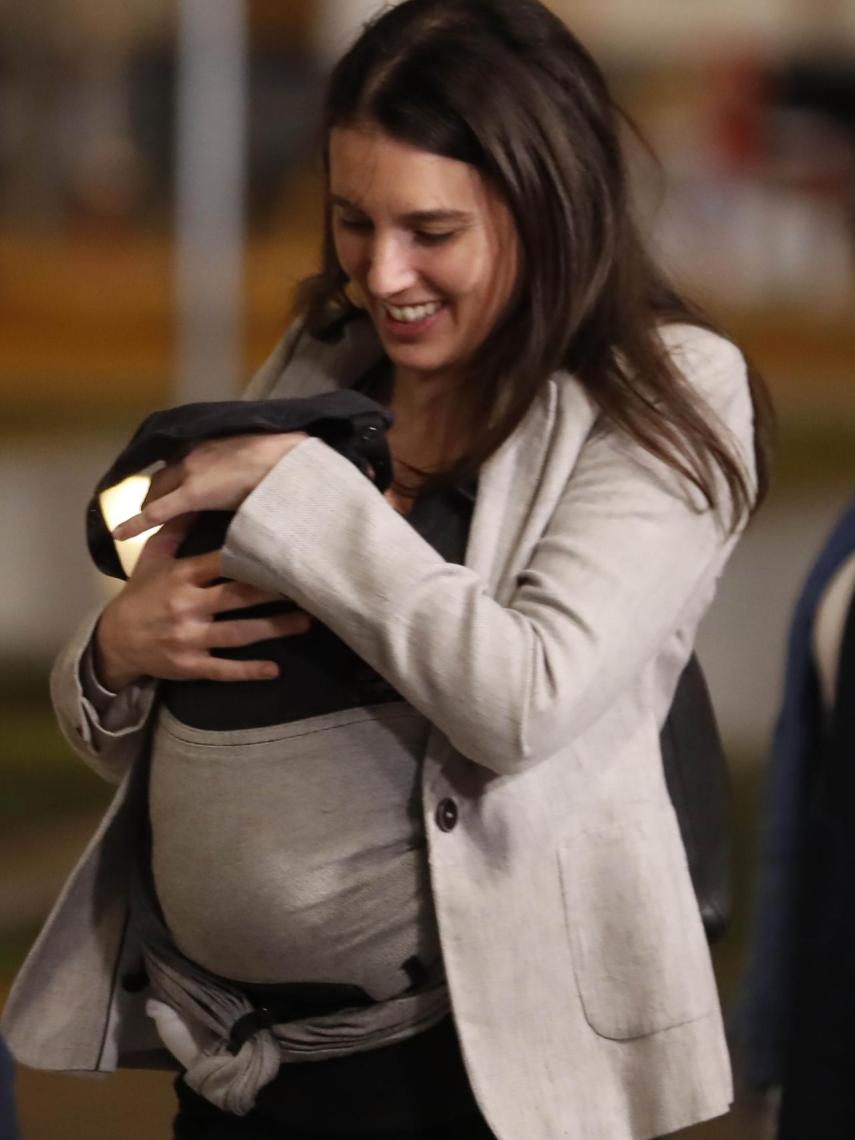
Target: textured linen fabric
(546,666)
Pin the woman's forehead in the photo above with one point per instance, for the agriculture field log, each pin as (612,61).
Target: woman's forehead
(369,166)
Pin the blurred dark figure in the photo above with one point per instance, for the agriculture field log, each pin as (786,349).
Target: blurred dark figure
(8,1114)
(798,1007)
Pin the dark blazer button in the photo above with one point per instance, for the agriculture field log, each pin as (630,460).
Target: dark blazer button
(446,815)
(135,981)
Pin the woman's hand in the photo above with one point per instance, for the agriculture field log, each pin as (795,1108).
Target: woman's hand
(217,475)
(162,623)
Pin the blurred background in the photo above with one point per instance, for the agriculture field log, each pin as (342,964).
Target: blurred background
(160,197)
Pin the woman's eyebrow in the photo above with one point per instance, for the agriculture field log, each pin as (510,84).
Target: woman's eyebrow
(338,200)
(413,217)
(426,217)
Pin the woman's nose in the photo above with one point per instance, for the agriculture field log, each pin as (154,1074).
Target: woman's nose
(391,269)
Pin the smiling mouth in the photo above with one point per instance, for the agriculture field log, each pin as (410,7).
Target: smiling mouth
(411,314)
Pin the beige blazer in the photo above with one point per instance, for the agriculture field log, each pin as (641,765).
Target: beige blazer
(579,975)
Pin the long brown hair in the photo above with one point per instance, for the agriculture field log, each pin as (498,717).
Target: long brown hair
(504,86)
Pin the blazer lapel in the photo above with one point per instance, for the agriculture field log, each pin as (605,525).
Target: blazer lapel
(506,520)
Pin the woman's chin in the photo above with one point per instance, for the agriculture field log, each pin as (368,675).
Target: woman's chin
(416,358)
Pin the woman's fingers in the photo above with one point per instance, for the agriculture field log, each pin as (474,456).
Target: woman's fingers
(227,596)
(160,624)
(238,632)
(221,597)
(165,480)
(204,569)
(200,569)
(165,542)
(157,512)
(164,483)
(207,668)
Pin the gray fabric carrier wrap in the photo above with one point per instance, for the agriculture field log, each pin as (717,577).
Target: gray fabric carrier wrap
(289,853)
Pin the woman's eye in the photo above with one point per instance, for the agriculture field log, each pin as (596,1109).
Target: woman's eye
(355,225)
(426,237)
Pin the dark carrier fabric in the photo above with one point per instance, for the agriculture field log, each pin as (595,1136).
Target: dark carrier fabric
(319,674)
(348,420)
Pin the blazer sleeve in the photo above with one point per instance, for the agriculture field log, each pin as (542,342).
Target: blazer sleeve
(629,548)
(270,371)
(106,729)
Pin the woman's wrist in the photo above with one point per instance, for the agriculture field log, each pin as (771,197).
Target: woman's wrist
(111,672)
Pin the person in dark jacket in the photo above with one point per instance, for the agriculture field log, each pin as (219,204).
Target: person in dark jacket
(794,1018)
(8,1112)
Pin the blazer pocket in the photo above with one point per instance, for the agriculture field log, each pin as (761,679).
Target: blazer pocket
(639,954)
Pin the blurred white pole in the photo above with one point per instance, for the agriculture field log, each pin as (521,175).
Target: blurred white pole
(210,174)
(337,24)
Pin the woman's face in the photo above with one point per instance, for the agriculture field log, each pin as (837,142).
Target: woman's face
(428,244)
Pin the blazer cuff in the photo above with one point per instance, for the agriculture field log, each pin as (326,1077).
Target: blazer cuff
(112,714)
(91,715)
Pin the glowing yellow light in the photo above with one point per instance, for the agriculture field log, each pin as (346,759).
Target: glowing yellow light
(120,503)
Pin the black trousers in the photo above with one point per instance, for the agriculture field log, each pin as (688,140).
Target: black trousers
(416,1090)
(204,1122)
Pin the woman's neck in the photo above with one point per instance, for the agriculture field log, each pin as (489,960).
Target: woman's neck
(421,395)
(425,434)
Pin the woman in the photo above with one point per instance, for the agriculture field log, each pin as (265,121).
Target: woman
(482,277)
